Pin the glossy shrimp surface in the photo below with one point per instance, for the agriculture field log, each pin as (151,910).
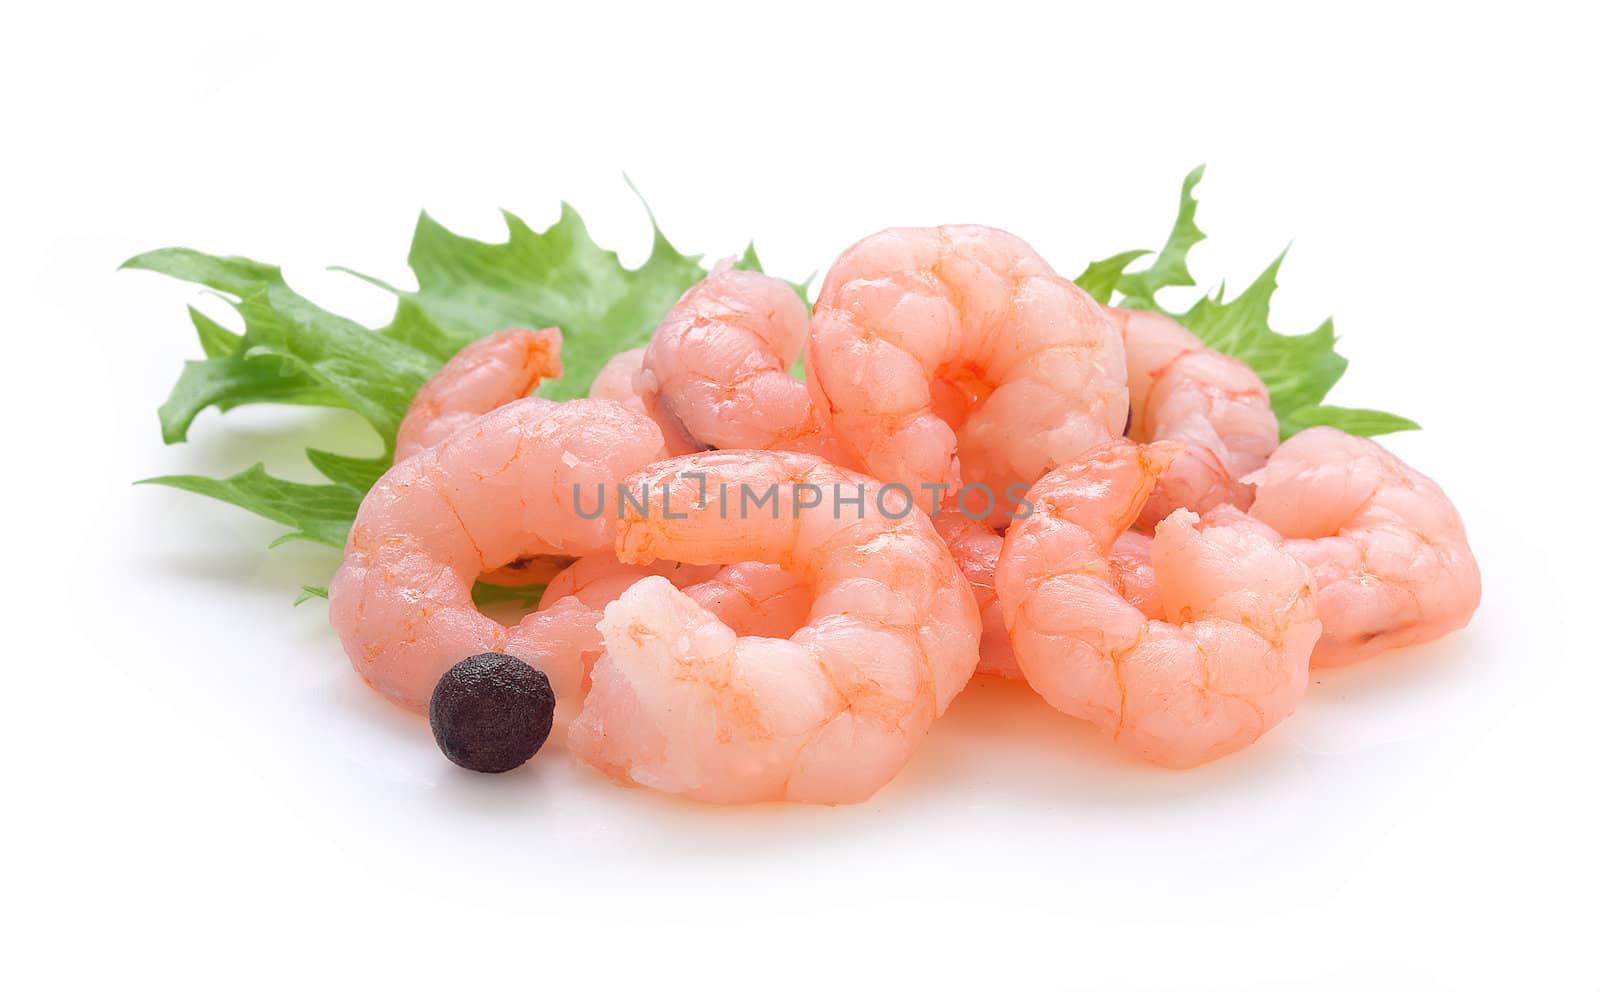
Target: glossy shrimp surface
(975,546)
(485,375)
(1228,663)
(955,355)
(499,490)
(1387,548)
(614,381)
(754,598)
(681,703)
(618,381)
(750,597)
(718,365)
(1181,390)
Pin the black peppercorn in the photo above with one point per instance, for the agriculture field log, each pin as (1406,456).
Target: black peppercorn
(491,712)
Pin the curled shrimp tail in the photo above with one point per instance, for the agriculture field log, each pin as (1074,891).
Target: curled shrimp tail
(1388,549)
(1109,486)
(1181,390)
(483,376)
(887,634)
(1194,660)
(716,371)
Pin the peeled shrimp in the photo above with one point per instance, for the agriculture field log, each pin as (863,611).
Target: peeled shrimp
(754,598)
(975,546)
(1181,390)
(955,355)
(976,550)
(1132,573)
(682,704)
(499,490)
(751,597)
(617,381)
(1388,550)
(486,374)
(1229,664)
(614,381)
(718,366)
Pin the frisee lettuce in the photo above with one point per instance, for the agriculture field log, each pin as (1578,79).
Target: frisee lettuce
(294,352)
(1298,370)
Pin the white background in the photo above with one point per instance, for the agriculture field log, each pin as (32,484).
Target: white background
(199,790)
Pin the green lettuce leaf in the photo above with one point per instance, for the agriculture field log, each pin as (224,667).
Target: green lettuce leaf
(1171,265)
(1298,370)
(558,277)
(1100,279)
(318,513)
(294,352)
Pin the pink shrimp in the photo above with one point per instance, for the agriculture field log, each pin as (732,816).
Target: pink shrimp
(501,489)
(1181,390)
(751,597)
(486,374)
(614,381)
(975,546)
(1387,548)
(1132,572)
(976,550)
(718,366)
(754,598)
(618,379)
(955,355)
(682,704)
(1230,663)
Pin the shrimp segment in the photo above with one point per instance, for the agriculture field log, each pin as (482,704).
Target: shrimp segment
(750,597)
(951,355)
(499,490)
(975,546)
(614,381)
(682,704)
(718,365)
(754,598)
(1387,548)
(1133,572)
(1181,390)
(1229,665)
(617,380)
(486,374)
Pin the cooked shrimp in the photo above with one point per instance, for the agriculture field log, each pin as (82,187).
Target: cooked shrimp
(754,598)
(718,366)
(1133,573)
(955,355)
(567,622)
(617,380)
(501,489)
(1388,550)
(751,597)
(1229,664)
(486,374)
(1181,390)
(614,381)
(975,546)
(682,704)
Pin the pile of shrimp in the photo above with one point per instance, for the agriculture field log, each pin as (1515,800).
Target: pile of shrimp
(983,471)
